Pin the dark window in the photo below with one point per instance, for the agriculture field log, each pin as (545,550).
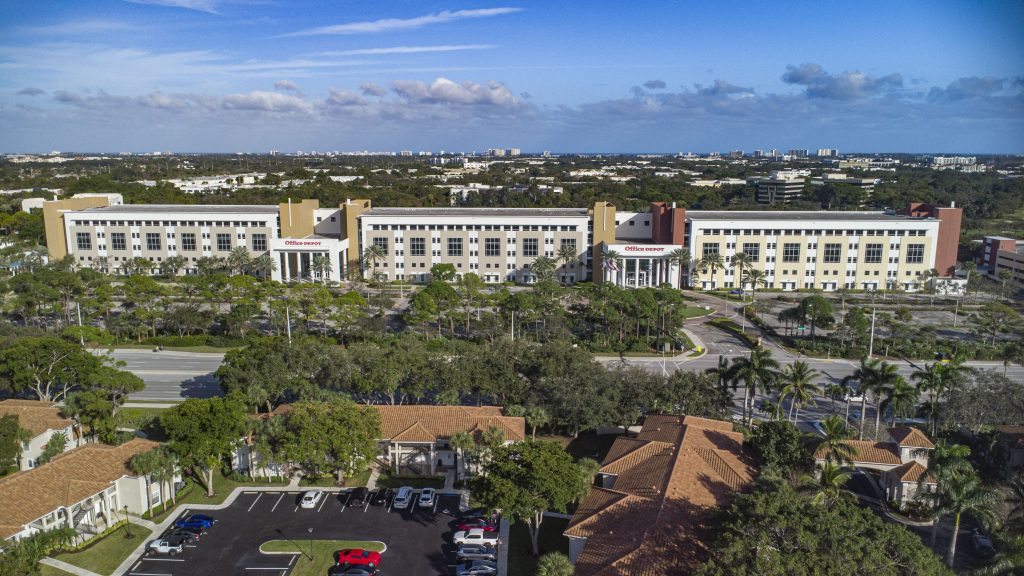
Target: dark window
(873,253)
(530,246)
(259,242)
(791,252)
(833,253)
(710,249)
(84,240)
(152,241)
(753,251)
(224,242)
(188,241)
(915,253)
(381,242)
(570,242)
(455,246)
(117,241)
(492,246)
(417,246)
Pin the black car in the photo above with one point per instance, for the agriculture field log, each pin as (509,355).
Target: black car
(982,544)
(176,539)
(195,533)
(474,513)
(381,497)
(340,570)
(358,497)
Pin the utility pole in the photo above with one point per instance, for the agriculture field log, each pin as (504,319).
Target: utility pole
(81,333)
(288,323)
(513,325)
(871,341)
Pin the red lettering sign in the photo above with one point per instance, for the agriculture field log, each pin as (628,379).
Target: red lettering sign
(643,249)
(302,243)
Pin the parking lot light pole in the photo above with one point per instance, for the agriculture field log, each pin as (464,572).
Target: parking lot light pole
(311,544)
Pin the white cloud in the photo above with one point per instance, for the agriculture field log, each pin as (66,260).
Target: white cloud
(371,89)
(409,50)
(260,101)
(286,85)
(443,90)
(396,24)
(209,6)
(79,27)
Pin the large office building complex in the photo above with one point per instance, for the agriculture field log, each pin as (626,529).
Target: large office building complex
(796,250)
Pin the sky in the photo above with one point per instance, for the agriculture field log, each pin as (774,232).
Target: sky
(564,76)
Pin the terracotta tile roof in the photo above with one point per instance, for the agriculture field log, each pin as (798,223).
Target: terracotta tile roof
(67,479)
(650,522)
(1013,434)
(433,422)
(911,472)
(35,416)
(870,452)
(910,436)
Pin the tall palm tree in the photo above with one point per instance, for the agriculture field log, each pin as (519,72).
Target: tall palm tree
(883,381)
(263,265)
(165,466)
(831,479)
(567,255)
(873,377)
(321,264)
(798,383)
(714,261)
(373,255)
(1009,561)
(834,392)
(835,445)
(741,262)
(145,464)
(1015,498)
(964,494)
(901,397)
(544,268)
(464,444)
(756,279)
(612,261)
(723,373)
(945,461)
(681,258)
(239,259)
(759,370)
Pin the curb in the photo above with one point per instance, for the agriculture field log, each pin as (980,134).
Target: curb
(385,546)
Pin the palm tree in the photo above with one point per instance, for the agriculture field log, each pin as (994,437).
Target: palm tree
(567,255)
(883,380)
(835,392)
(1009,561)
(165,465)
(723,373)
(873,377)
(714,261)
(681,258)
(239,259)
(831,479)
(544,268)
(756,278)
(536,417)
(322,265)
(145,464)
(373,255)
(835,446)
(944,462)
(740,263)
(1015,517)
(759,370)
(611,262)
(964,494)
(263,265)
(464,444)
(798,380)
(901,397)
(101,263)
(172,265)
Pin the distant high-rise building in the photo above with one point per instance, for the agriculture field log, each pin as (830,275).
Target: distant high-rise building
(495,151)
(514,152)
(758,153)
(736,154)
(827,152)
(773,152)
(405,153)
(798,152)
(546,154)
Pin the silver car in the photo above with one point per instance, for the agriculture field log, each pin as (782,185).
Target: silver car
(477,568)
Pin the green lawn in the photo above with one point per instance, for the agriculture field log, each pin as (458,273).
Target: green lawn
(45,570)
(386,481)
(694,312)
(521,561)
(322,552)
(330,481)
(107,553)
(222,487)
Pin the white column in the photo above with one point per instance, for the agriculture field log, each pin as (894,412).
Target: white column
(636,272)
(287,267)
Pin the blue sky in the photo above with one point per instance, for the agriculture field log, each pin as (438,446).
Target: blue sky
(240,75)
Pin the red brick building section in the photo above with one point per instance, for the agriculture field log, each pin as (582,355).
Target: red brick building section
(668,224)
(948,241)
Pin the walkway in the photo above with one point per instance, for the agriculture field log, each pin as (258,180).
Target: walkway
(69,568)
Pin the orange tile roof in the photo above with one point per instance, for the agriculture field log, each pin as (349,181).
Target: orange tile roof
(650,522)
(870,452)
(423,423)
(35,416)
(910,436)
(912,472)
(1014,434)
(67,479)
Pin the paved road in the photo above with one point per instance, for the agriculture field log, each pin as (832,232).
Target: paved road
(172,376)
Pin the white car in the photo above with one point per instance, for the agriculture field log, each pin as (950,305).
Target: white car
(403,497)
(475,536)
(165,546)
(311,498)
(427,496)
(854,396)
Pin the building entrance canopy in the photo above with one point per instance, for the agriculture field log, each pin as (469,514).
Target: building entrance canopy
(295,258)
(641,265)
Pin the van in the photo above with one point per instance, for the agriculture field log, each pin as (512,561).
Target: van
(403,497)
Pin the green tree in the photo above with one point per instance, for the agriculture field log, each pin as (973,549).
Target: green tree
(798,383)
(442,272)
(263,265)
(336,435)
(527,479)
(321,264)
(47,366)
(713,261)
(145,464)
(11,437)
(829,483)
(817,311)
(781,445)
(372,256)
(994,319)
(470,287)
(834,445)
(554,564)
(272,369)
(964,494)
(901,398)
(758,371)
(544,269)
(57,443)
(204,431)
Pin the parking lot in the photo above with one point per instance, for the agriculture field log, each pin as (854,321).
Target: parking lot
(416,538)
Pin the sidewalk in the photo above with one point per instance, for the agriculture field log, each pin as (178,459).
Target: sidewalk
(69,568)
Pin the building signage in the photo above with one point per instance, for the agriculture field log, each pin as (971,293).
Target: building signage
(303,243)
(643,249)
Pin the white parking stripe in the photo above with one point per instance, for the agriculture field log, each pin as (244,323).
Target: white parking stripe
(292,561)
(322,502)
(278,502)
(136,565)
(367,507)
(436,502)
(268,568)
(254,502)
(147,574)
(296,508)
(164,559)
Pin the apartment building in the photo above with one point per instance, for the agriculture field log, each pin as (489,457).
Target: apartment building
(43,421)
(797,250)
(1000,253)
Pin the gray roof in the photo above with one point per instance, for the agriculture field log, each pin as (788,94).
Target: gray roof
(191,208)
(518,212)
(811,215)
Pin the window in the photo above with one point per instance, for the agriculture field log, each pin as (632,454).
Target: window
(84,240)
(418,246)
(570,242)
(492,247)
(833,253)
(455,246)
(709,249)
(915,253)
(530,246)
(188,241)
(152,241)
(259,242)
(117,241)
(381,242)
(224,242)
(752,250)
(791,252)
(873,253)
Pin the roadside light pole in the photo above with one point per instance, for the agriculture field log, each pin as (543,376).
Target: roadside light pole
(871,340)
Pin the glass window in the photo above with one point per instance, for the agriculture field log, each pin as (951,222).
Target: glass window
(117,241)
(188,241)
(570,242)
(224,242)
(791,252)
(873,253)
(455,246)
(530,246)
(492,247)
(833,253)
(709,249)
(259,242)
(381,242)
(417,246)
(752,250)
(915,253)
(152,241)
(84,240)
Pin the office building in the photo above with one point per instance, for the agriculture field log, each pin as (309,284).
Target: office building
(827,153)
(999,253)
(780,187)
(797,152)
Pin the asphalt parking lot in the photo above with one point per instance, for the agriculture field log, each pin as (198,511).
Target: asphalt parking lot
(416,538)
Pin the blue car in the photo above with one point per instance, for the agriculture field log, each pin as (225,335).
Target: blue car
(196,521)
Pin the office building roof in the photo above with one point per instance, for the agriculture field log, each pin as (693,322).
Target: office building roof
(478,212)
(811,215)
(188,208)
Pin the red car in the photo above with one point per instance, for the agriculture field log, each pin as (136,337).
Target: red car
(477,523)
(358,557)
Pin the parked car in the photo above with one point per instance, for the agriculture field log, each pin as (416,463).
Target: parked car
(736,292)
(380,497)
(475,536)
(982,544)
(165,546)
(190,534)
(357,557)
(403,497)
(427,497)
(476,523)
(351,571)
(358,497)
(311,498)
(476,552)
(196,521)
(476,568)
(474,513)
(854,395)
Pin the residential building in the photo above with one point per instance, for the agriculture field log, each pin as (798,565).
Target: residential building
(89,488)
(780,187)
(827,153)
(953,160)
(865,184)
(1000,253)
(43,420)
(645,516)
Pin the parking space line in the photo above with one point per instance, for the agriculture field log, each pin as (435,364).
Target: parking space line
(147,574)
(136,565)
(164,559)
(296,508)
(367,507)
(322,502)
(278,502)
(277,568)
(391,505)
(254,502)
(292,561)
(436,502)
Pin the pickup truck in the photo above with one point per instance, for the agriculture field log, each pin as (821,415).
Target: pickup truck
(165,546)
(475,536)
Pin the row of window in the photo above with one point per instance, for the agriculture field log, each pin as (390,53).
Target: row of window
(470,227)
(492,246)
(803,232)
(154,241)
(206,223)
(830,254)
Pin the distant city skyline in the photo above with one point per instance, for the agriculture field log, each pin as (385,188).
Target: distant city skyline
(252,76)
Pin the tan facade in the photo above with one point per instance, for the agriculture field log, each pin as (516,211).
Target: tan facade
(53,221)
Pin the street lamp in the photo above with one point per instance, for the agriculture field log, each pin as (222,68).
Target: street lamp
(311,544)
(127,531)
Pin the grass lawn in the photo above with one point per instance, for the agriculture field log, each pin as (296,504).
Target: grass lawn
(45,570)
(693,312)
(322,552)
(222,487)
(385,480)
(107,553)
(521,561)
(330,481)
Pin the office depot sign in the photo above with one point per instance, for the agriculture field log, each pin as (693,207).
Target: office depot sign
(643,249)
(303,242)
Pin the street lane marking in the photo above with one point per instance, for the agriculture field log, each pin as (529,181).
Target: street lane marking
(322,502)
(278,502)
(254,502)
(292,561)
